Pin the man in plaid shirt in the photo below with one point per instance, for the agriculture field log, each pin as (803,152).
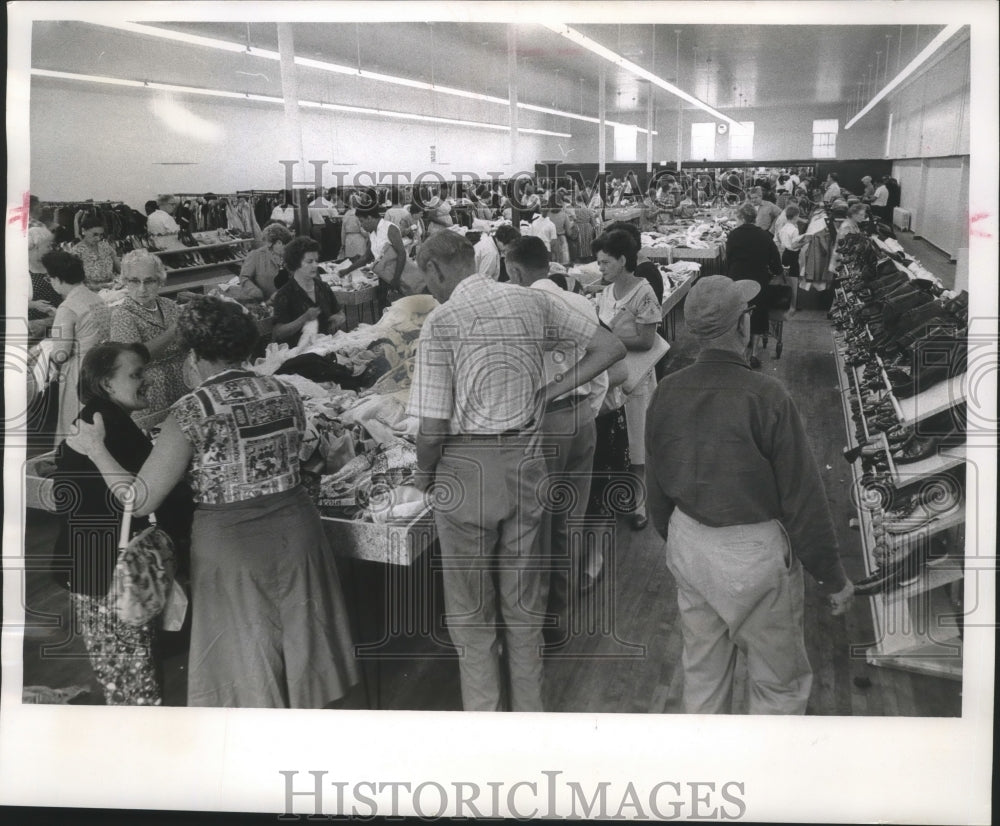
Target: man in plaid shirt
(480,392)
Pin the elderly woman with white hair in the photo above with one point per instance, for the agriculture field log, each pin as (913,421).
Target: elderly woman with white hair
(144,317)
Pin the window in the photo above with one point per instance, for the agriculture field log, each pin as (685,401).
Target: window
(825,138)
(703,141)
(741,141)
(626,141)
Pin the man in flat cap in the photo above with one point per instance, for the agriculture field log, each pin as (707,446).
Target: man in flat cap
(733,488)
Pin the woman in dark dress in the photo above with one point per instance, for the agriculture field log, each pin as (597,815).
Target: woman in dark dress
(122,656)
(751,254)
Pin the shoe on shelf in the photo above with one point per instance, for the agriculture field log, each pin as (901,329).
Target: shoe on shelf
(915,450)
(924,512)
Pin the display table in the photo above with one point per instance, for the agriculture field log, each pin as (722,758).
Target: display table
(672,306)
(622,213)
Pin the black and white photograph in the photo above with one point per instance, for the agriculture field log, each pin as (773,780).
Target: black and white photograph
(508,409)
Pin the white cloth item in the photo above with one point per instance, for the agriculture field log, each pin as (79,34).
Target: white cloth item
(881,196)
(487,257)
(161,223)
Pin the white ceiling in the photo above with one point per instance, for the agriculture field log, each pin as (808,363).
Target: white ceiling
(729,67)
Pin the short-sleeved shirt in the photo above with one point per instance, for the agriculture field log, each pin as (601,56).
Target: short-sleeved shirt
(98,264)
(291,301)
(246,431)
(480,358)
(767,213)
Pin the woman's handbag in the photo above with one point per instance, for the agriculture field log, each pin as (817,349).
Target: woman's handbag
(144,573)
(778,294)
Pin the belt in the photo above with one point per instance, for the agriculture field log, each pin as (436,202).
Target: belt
(490,438)
(562,404)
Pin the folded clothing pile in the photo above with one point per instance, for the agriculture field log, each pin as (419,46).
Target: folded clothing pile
(369,487)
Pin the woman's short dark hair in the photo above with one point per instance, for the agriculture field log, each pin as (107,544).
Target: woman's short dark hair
(626,226)
(295,251)
(218,329)
(64,266)
(99,364)
(90,221)
(150,207)
(618,243)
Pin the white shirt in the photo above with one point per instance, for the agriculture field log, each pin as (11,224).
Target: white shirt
(832,192)
(487,257)
(595,389)
(161,223)
(319,210)
(284,214)
(881,196)
(543,228)
(788,237)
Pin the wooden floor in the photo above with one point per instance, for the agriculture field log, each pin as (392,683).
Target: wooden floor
(626,655)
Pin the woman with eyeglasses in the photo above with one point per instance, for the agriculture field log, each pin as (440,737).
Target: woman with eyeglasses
(100,264)
(144,317)
(82,321)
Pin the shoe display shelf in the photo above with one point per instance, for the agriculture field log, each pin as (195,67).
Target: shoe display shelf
(915,624)
(181,277)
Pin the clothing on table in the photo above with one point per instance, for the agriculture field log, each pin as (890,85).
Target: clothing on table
(269,626)
(291,301)
(164,376)
(497,515)
(262,267)
(161,223)
(98,264)
(767,213)
(355,239)
(739,588)
(751,254)
(637,307)
(487,257)
(82,321)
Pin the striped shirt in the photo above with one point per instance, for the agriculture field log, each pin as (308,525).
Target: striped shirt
(480,358)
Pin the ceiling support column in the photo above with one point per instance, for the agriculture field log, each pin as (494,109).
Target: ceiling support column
(512,90)
(293,117)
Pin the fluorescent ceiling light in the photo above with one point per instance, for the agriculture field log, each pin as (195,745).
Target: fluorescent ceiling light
(595,47)
(340,69)
(310,104)
(944,35)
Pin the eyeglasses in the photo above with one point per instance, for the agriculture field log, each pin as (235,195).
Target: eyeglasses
(98,234)
(148,282)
